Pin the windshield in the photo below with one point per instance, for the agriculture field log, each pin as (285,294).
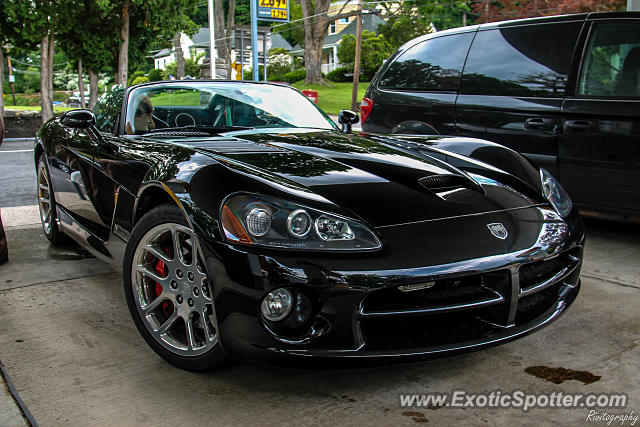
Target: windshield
(219,105)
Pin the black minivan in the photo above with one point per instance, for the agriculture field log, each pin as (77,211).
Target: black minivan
(564,91)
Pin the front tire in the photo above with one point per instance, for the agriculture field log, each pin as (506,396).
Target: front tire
(47,204)
(168,292)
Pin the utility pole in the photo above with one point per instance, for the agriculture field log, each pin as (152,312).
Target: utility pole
(464,19)
(12,79)
(212,41)
(356,62)
(255,76)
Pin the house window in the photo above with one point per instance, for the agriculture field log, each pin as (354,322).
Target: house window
(344,20)
(332,28)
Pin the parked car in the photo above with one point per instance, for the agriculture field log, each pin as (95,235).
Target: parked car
(563,91)
(74,100)
(247,225)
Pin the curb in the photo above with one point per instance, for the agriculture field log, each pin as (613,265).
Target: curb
(30,139)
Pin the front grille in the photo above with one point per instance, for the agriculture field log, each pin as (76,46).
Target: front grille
(455,310)
(456,292)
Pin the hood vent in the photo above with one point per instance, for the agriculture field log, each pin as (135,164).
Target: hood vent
(448,182)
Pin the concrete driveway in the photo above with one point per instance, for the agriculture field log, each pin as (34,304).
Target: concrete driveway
(74,356)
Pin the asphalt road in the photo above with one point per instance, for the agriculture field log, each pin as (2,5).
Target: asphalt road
(17,174)
(74,356)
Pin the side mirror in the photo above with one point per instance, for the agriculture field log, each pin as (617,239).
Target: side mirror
(347,118)
(78,119)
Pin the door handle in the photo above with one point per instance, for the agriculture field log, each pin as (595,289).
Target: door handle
(578,125)
(539,123)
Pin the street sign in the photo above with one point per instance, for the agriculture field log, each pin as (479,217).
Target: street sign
(12,78)
(273,10)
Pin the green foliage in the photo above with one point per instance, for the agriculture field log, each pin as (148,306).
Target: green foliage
(375,49)
(406,21)
(295,76)
(247,73)
(155,75)
(280,63)
(191,67)
(341,75)
(292,32)
(138,80)
(134,76)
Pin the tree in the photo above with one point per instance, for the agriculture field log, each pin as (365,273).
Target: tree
(142,22)
(374,50)
(408,20)
(316,23)
(490,11)
(94,50)
(29,23)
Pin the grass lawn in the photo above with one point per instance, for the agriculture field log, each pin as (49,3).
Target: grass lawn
(35,108)
(334,98)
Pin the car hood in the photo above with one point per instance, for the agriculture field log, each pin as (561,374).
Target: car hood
(374,177)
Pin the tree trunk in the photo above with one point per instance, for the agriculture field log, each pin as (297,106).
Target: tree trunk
(81,84)
(314,33)
(313,59)
(123,54)
(223,44)
(46,81)
(93,89)
(179,56)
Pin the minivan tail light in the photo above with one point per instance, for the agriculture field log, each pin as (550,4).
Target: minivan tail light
(365,109)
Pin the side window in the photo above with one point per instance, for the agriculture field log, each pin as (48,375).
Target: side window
(107,109)
(531,60)
(612,63)
(434,64)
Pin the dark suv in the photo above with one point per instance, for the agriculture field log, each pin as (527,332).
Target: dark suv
(564,91)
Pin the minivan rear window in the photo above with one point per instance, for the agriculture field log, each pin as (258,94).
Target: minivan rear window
(531,60)
(434,64)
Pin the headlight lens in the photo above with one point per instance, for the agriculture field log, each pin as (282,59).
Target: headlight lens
(260,220)
(556,195)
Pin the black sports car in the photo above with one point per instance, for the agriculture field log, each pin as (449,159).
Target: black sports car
(247,225)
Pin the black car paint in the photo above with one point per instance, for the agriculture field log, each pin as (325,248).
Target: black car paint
(589,143)
(426,236)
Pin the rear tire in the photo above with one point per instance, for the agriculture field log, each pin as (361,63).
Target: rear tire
(169,294)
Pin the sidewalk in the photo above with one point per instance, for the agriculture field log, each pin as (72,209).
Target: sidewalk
(356,127)
(10,413)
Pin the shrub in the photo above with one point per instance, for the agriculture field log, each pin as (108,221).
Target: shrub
(295,76)
(134,76)
(155,75)
(139,79)
(248,75)
(340,75)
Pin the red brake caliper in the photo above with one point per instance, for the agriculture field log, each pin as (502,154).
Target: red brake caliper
(162,270)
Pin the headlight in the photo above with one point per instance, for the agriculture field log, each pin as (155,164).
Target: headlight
(556,195)
(260,220)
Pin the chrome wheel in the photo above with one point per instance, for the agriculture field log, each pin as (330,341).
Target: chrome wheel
(44,198)
(171,291)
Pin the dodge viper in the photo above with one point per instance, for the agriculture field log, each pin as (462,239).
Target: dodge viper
(248,225)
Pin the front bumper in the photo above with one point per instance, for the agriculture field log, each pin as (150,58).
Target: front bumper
(362,314)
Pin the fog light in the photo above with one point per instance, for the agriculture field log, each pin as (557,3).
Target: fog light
(277,304)
(258,222)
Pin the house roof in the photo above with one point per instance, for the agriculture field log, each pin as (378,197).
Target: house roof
(278,41)
(201,38)
(162,53)
(370,22)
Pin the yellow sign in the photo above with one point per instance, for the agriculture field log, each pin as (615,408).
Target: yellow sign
(277,13)
(277,4)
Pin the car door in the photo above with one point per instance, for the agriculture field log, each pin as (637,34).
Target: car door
(513,84)
(71,169)
(600,138)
